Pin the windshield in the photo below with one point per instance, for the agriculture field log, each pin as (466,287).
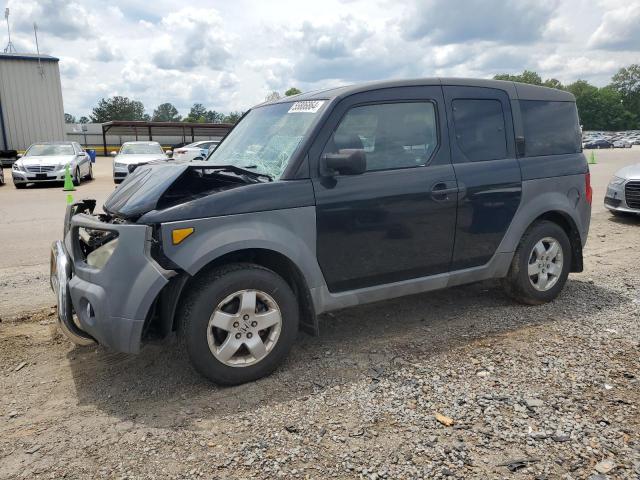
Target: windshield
(47,150)
(140,149)
(267,137)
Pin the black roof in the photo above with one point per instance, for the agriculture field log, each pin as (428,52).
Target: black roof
(515,90)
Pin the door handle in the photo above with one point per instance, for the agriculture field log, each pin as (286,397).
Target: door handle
(441,191)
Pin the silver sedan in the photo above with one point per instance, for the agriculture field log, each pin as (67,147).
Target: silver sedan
(47,162)
(623,191)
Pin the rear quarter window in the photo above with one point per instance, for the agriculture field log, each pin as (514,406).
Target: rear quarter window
(480,128)
(550,128)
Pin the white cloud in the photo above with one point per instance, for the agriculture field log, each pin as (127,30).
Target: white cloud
(64,19)
(194,38)
(105,51)
(620,29)
(229,55)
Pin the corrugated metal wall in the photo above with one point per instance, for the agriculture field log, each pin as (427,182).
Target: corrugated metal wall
(31,103)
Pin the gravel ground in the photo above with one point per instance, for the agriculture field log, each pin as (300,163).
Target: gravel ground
(461,383)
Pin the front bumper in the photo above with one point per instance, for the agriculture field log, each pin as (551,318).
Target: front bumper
(111,304)
(28,177)
(615,199)
(120,173)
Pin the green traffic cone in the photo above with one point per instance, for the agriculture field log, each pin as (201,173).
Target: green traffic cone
(592,158)
(68,183)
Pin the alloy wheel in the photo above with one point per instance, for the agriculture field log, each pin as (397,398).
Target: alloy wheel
(244,328)
(545,264)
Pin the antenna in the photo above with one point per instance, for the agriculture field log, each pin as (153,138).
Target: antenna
(9,48)
(35,32)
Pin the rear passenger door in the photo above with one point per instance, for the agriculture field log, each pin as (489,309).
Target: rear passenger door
(489,179)
(395,221)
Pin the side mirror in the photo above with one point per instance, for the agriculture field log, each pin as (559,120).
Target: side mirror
(113,153)
(347,162)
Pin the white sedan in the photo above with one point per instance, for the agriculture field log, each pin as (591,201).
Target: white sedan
(621,144)
(194,151)
(47,162)
(132,154)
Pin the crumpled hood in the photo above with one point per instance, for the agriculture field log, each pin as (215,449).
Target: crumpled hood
(631,172)
(142,189)
(131,159)
(45,160)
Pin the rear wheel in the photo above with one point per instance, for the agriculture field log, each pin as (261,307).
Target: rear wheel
(540,265)
(90,173)
(238,323)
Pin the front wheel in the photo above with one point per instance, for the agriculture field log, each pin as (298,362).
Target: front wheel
(76,177)
(540,265)
(238,323)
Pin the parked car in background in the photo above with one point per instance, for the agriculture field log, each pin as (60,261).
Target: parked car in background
(47,162)
(601,143)
(1,176)
(621,144)
(623,191)
(8,157)
(132,154)
(194,151)
(337,198)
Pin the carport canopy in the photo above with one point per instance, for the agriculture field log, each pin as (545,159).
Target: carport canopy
(185,130)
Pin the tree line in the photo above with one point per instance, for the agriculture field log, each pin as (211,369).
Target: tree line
(613,107)
(124,108)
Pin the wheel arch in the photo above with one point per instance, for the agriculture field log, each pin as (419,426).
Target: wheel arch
(569,226)
(170,299)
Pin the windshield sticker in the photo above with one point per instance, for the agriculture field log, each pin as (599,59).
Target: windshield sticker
(308,106)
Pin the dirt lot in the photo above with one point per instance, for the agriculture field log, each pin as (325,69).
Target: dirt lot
(549,392)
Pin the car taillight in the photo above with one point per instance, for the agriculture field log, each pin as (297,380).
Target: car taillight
(587,187)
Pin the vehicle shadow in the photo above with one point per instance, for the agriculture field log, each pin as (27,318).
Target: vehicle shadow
(159,388)
(628,219)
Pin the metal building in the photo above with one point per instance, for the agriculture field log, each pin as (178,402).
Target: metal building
(31,107)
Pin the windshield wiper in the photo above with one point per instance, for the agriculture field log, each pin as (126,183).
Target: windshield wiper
(242,171)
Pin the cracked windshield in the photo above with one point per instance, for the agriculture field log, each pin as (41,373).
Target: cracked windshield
(266,138)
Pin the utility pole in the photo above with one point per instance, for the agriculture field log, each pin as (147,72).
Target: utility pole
(35,33)
(9,48)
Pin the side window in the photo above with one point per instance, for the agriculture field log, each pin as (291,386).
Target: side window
(480,128)
(550,128)
(393,135)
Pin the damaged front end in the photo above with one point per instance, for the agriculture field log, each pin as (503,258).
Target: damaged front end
(110,275)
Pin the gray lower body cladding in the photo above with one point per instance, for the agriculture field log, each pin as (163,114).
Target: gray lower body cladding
(112,303)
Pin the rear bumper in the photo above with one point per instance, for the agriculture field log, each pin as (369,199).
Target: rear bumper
(111,304)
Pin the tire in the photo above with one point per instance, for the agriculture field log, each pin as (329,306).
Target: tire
(20,186)
(89,175)
(208,294)
(76,177)
(519,285)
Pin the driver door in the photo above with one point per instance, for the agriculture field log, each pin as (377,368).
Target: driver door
(395,221)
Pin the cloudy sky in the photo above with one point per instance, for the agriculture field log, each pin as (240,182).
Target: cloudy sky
(229,55)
